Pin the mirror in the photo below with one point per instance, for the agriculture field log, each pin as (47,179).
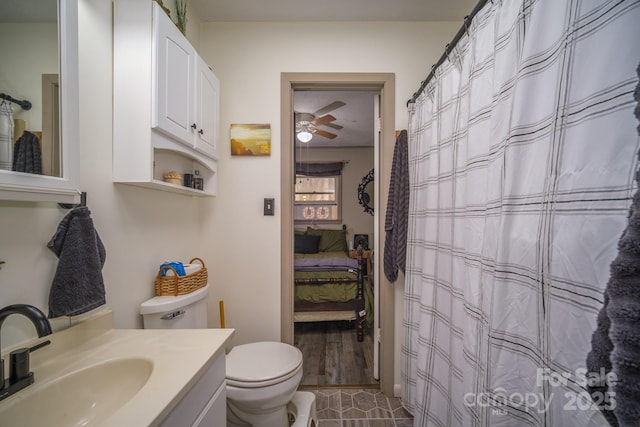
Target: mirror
(366,192)
(39,105)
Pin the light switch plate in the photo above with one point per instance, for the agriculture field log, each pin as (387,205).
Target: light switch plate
(269,207)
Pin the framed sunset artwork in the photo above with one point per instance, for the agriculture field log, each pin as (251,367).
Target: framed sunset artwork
(250,139)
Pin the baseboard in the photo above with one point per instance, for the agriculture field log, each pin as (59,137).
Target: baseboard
(396,390)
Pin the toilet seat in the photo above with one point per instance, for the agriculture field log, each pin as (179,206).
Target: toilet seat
(262,364)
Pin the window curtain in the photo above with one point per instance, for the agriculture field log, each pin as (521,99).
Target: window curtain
(522,154)
(319,169)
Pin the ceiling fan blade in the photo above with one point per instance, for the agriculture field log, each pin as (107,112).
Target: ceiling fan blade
(324,133)
(333,125)
(324,110)
(323,120)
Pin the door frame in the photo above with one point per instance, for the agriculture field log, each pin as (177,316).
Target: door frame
(385,84)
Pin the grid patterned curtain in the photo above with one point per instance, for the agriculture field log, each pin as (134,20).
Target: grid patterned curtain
(6,136)
(522,158)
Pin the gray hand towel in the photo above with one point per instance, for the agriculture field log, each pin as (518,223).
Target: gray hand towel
(78,285)
(615,344)
(397,215)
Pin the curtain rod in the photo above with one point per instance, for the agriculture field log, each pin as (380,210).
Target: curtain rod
(26,105)
(448,48)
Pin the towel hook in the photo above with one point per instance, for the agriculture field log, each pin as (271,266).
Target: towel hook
(83,202)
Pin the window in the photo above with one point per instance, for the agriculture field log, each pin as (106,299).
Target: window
(317,198)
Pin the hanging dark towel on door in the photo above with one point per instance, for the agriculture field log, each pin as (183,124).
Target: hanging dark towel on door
(78,285)
(397,215)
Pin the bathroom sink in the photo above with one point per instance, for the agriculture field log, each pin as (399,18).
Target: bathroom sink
(81,398)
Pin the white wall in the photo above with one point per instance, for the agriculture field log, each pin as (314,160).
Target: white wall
(249,59)
(141,228)
(27,52)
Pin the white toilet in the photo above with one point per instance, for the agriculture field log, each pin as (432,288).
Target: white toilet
(262,377)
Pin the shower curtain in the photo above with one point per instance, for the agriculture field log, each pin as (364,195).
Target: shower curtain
(6,136)
(522,157)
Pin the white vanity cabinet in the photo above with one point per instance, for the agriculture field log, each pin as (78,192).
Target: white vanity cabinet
(165,102)
(185,92)
(205,404)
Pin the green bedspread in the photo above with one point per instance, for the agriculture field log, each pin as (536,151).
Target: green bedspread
(332,292)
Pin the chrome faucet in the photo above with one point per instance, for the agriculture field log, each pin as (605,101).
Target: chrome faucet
(20,376)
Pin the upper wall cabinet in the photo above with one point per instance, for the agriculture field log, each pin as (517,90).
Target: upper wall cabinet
(166,102)
(186,91)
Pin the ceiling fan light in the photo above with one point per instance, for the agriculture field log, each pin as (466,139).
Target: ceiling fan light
(304,136)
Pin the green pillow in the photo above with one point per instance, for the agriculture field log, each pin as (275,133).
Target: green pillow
(330,240)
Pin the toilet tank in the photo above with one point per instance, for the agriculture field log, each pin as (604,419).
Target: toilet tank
(176,312)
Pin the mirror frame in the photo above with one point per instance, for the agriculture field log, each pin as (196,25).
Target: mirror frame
(368,178)
(38,188)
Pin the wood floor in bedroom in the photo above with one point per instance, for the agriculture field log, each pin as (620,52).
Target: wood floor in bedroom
(332,355)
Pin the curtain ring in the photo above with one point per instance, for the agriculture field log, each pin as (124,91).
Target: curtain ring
(466,25)
(446,51)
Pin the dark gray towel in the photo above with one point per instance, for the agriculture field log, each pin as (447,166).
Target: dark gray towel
(615,344)
(397,215)
(27,156)
(78,285)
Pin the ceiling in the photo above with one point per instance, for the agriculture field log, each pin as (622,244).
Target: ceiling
(356,117)
(332,10)
(281,10)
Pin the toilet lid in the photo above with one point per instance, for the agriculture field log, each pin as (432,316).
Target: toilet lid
(262,363)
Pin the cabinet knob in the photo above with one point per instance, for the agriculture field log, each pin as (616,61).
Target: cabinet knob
(201,132)
(193,126)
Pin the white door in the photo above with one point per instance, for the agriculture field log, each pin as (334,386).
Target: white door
(173,80)
(377,214)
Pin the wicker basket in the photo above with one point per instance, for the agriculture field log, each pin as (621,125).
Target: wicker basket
(179,285)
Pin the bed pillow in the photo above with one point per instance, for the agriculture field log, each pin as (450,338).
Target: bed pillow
(330,240)
(306,244)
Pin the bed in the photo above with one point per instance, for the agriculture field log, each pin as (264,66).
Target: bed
(329,280)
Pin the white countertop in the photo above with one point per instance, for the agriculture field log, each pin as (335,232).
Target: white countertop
(179,358)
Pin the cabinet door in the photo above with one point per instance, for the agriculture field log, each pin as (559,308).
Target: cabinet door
(215,413)
(205,404)
(207,110)
(173,85)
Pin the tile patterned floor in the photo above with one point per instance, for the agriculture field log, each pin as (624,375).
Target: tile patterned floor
(355,407)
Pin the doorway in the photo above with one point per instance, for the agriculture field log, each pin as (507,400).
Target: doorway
(342,140)
(384,83)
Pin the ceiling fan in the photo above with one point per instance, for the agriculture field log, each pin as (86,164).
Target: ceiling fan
(307,123)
